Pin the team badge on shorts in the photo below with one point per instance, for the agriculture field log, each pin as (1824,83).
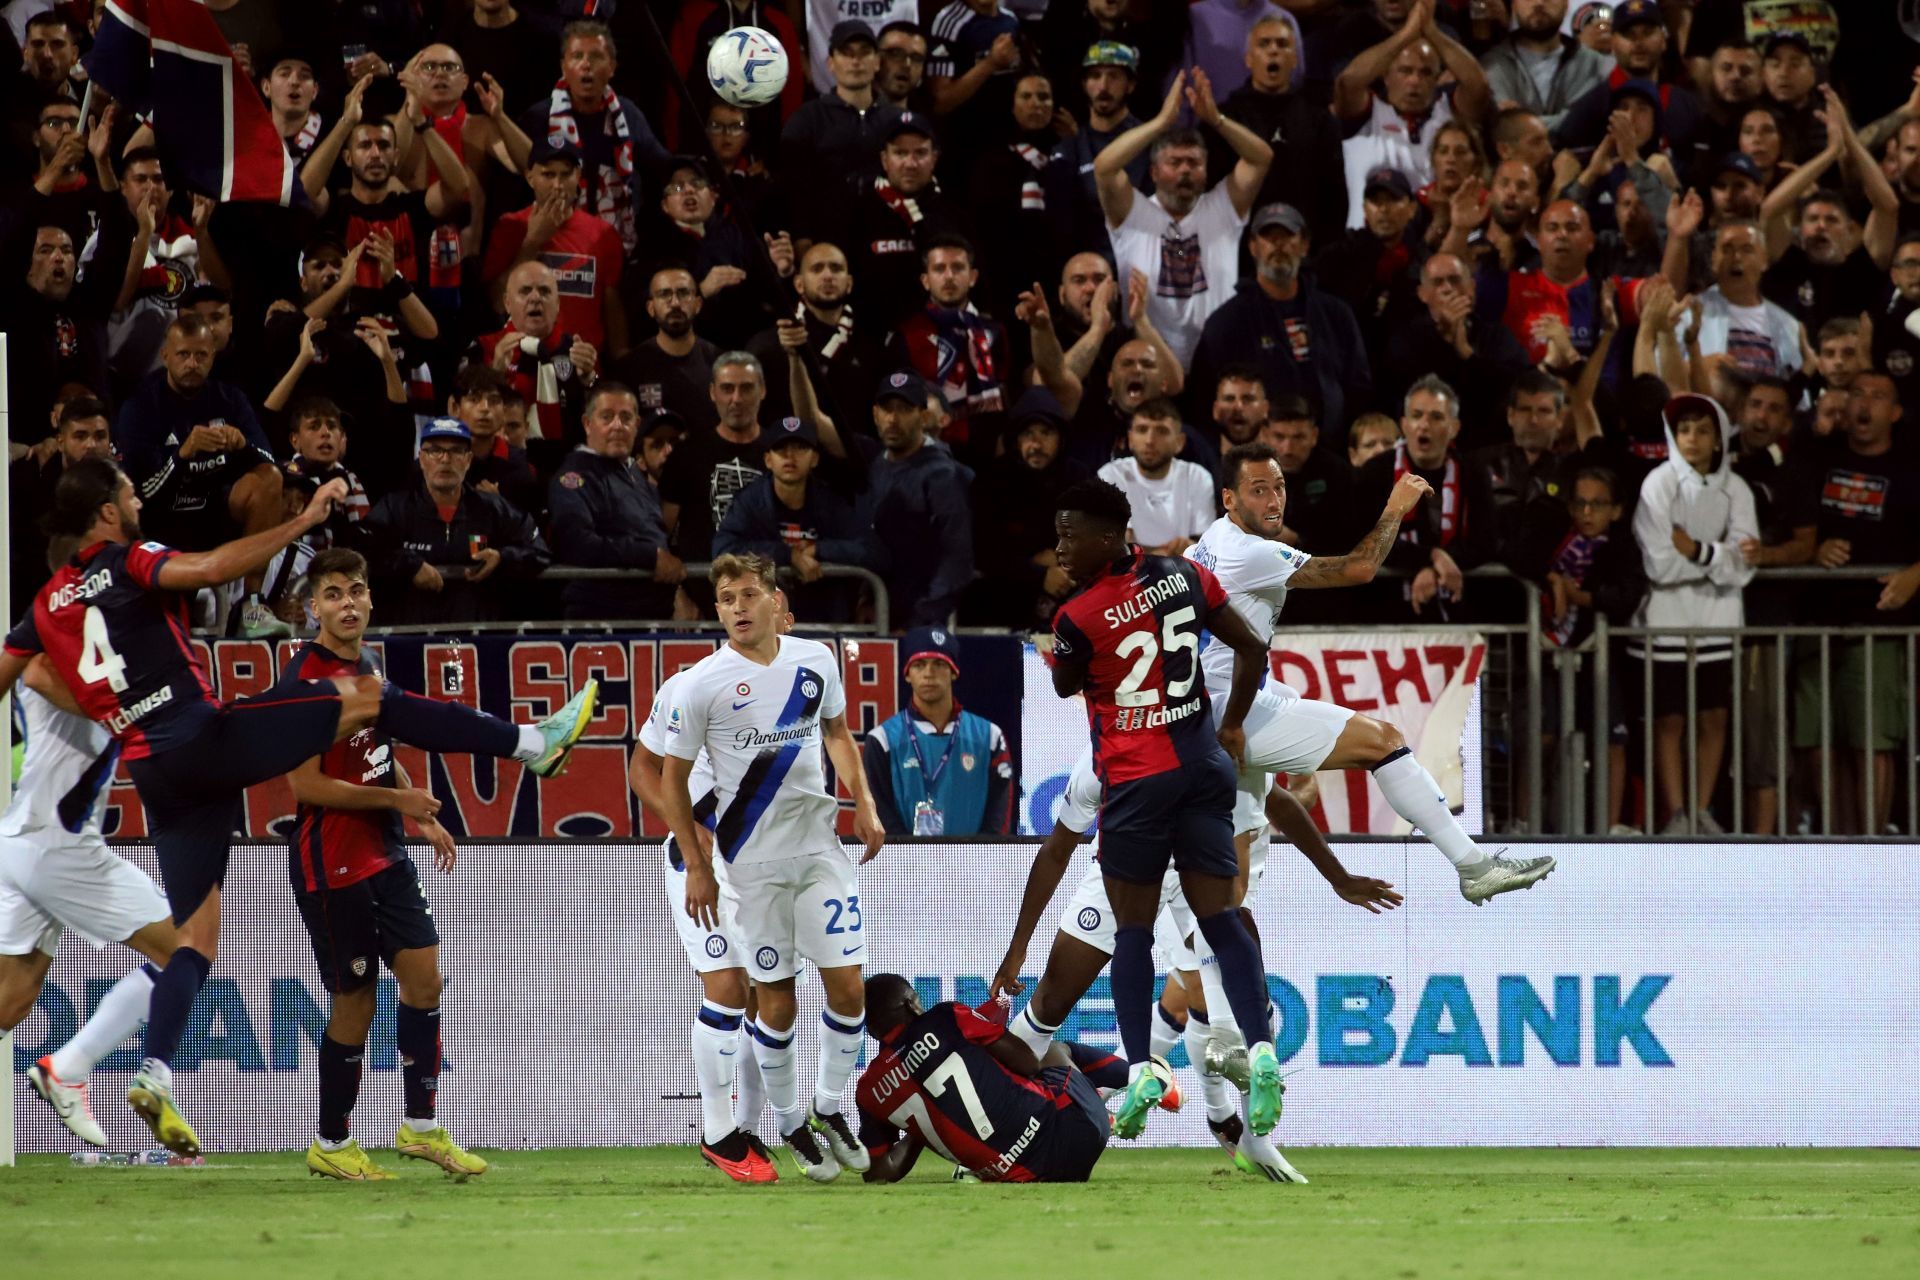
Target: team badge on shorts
(1089,918)
(716,946)
(766,957)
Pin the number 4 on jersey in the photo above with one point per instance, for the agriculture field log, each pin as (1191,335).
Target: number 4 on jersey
(98,661)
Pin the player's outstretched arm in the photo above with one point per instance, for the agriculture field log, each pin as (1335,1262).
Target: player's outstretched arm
(1291,819)
(845,756)
(896,1162)
(192,570)
(1358,566)
(1249,666)
(1049,864)
(676,808)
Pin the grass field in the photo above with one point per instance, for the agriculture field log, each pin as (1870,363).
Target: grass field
(658,1212)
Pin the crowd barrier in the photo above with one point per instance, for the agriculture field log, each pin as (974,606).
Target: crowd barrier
(1645,994)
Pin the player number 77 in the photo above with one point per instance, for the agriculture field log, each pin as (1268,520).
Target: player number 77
(951,1072)
(1128,692)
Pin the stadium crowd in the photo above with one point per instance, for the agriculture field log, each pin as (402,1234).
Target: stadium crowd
(546,300)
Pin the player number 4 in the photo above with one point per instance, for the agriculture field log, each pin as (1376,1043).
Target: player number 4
(1128,692)
(98,661)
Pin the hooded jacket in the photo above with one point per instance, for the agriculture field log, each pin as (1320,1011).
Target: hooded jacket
(1716,510)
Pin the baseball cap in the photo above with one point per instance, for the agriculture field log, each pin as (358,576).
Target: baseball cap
(199,293)
(911,122)
(1797,39)
(1111,53)
(790,429)
(1740,163)
(849,31)
(1638,89)
(1635,13)
(546,147)
(1280,214)
(447,429)
(663,418)
(1389,178)
(903,385)
(929,642)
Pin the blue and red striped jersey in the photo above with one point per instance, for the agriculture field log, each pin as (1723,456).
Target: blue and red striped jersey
(121,643)
(935,1079)
(339,847)
(1138,627)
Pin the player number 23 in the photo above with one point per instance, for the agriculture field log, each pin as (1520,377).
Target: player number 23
(98,661)
(1128,692)
(850,908)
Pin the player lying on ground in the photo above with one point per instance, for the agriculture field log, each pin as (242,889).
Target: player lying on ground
(360,897)
(1288,734)
(949,1079)
(113,623)
(1129,639)
(56,873)
(1084,943)
(761,707)
(731,1091)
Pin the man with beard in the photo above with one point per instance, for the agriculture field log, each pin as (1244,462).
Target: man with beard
(50,54)
(80,433)
(962,354)
(374,204)
(582,250)
(1300,337)
(838,132)
(1896,348)
(1537,67)
(843,354)
(1738,327)
(895,218)
(1395,129)
(1450,340)
(1827,273)
(1021,580)
(1240,405)
(549,368)
(1107,77)
(1184,241)
(74,166)
(1304,137)
(57,327)
(1369,267)
(672,369)
(1513,212)
(903,66)
(1639,53)
(1070,30)
(1732,82)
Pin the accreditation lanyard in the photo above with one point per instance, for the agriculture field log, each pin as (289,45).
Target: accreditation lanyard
(932,774)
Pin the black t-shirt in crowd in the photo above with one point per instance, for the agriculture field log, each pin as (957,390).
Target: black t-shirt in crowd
(1817,294)
(1874,503)
(662,381)
(702,476)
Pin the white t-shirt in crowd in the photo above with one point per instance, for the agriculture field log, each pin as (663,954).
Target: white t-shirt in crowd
(1192,264)
(1177,505)
(1762,339)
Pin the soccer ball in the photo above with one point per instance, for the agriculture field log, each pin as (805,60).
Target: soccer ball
(747,67)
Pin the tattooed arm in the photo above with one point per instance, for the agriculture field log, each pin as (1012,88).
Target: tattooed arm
(1358,566)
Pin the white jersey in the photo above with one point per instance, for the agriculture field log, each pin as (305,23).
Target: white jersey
(1080,802)
(63,780)
(1254,572)
(653,736)
(760,726)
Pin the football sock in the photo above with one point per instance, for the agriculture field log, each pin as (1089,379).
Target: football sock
(1220,1019)
(172,1003)
(121,1011)
(1166,1031)
(1131,975)
(749,1091)
(1103,1068)
(416,1034)
(1031,1032)
(839,1050)
(1415,796)
(774,1052)
(1242,972)
(433,725)
(1219,1106)
(716,1043)
(339,1086)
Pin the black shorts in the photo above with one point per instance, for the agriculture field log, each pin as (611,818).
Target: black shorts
(358,927)
(192,793)
(1712,687)
(1184,814)
(1079,1130)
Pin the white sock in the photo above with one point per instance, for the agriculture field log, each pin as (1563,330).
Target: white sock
(422,1124)
(1415,796)
(1219,1106)
(839,1050)
(1219,1012)
(774,1052)
(749,1091)
(328,1144)
(1031,1032)
(158,1072)
(120,1014)
(532,745)
(1166,1032)
(716,1042)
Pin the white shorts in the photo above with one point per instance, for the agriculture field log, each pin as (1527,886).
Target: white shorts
(708,951)
(84,887)
(799,908)
(1287,734)
(1089,917)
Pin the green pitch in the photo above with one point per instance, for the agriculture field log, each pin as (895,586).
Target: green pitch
(1400,1214)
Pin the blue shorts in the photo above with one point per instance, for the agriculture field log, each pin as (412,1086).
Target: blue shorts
(1184,815)
(194,792)
(1077,1133)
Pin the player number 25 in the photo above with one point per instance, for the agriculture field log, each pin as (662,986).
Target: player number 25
(98,661)
(1128,692)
